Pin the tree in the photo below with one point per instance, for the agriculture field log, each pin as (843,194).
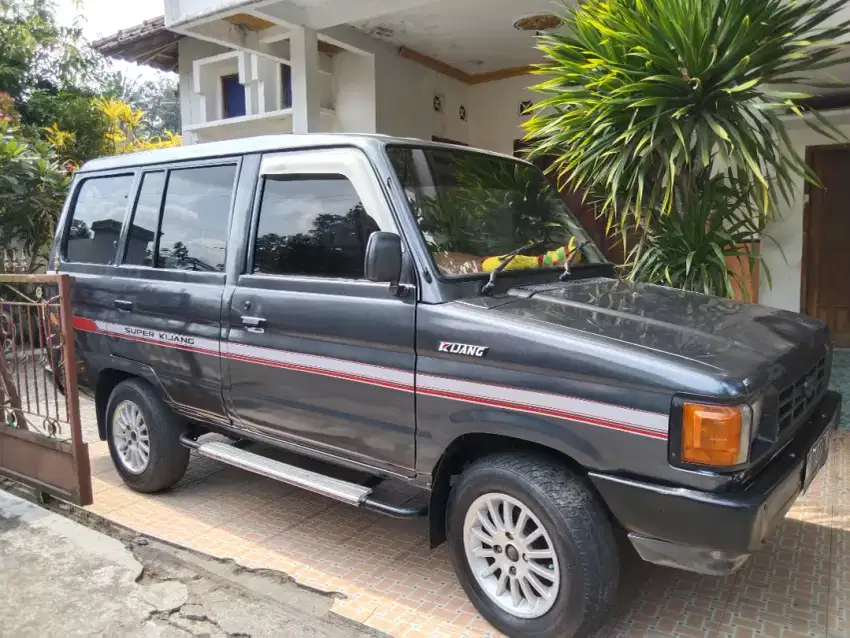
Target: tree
(33,184)
(52,75)
(125,131)
(158,99)
(664,108)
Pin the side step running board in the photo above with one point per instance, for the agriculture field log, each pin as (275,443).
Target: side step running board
(351,493)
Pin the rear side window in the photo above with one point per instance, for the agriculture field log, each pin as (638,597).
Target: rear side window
(193,232)
(141,244)
(181,219)
(312,225)
(97,219)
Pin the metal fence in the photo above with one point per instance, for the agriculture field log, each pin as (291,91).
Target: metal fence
(41,442)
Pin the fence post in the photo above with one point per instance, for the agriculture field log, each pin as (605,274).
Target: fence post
(66,323)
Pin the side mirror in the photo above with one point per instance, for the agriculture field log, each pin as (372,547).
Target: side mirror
(383,258)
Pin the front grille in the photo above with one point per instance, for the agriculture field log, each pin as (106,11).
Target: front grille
(797,399)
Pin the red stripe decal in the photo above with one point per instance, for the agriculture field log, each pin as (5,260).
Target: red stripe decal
(87,325)
(519,407)
(322,371)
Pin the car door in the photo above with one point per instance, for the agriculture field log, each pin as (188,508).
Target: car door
(170,282)
(87,248)
(317,355)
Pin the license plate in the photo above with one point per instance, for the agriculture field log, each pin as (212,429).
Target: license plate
(816,458)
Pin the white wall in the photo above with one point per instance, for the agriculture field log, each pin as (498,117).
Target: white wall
(190,50)
(494,120)
(787,229)
(354,77)
(405,94)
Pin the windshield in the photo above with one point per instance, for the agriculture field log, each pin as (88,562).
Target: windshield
(474,208)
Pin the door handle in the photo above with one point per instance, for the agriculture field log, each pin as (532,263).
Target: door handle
(122,304)
(254,324)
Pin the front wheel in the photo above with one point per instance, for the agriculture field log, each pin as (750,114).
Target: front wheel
(532,547)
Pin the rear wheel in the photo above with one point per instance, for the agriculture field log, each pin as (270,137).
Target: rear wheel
(532,547)
(144,438)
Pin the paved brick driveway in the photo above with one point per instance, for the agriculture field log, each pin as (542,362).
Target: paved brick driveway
(389,579)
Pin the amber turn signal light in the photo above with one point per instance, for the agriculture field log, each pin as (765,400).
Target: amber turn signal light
(716,435)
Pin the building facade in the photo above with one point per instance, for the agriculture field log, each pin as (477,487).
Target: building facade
(454,70)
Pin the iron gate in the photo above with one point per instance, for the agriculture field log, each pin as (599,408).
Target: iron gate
(41,441)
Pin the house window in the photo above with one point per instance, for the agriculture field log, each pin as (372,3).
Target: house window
(233,96)
(286,84)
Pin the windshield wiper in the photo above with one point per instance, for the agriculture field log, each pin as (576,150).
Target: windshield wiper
(568,262)
(506,260)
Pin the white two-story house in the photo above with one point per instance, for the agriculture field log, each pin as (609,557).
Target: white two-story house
(455,70)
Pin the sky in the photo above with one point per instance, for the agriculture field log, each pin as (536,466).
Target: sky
(101,18)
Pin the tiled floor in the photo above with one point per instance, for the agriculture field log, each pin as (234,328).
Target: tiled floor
(387,577)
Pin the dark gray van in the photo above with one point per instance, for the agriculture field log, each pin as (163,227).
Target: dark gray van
(436,315)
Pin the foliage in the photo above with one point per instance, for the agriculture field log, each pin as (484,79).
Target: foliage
(124,129)
(52,76)
(121,132)
(645,98)
(33,184)
(690,249)
(158,98)
(36,53)
(8,110)
(79,115)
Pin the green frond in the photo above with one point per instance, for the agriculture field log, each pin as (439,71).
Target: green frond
(646,102)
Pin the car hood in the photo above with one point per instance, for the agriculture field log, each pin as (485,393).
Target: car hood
(740,340)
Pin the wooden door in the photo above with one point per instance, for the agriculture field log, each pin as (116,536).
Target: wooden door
(826,241)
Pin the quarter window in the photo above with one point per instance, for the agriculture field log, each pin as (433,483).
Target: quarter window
(97,219)
(312,225)
(195,217)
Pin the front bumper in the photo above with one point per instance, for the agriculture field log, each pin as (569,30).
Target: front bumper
(714,533)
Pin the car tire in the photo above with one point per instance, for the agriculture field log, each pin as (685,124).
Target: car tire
(583,571)
(144,438)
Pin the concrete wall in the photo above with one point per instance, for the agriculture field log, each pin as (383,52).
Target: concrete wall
(190,50)
(495,120)
(405,99)
(354,79)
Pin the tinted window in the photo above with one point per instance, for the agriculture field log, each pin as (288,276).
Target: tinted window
(473,208)
(97,219)
(193,233)
(313,225)
(140,245)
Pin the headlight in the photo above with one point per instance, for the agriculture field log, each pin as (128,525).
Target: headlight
(717,435)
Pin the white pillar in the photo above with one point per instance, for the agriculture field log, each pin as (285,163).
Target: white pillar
(306,81)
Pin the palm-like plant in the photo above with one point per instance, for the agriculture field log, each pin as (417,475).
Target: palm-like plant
(648,100)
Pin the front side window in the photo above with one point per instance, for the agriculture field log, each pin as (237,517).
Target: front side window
(195,218)
(473,208)
(312,225)
(97,219)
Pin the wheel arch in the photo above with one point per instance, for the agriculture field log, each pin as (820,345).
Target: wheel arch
(466,449)
(109,377)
